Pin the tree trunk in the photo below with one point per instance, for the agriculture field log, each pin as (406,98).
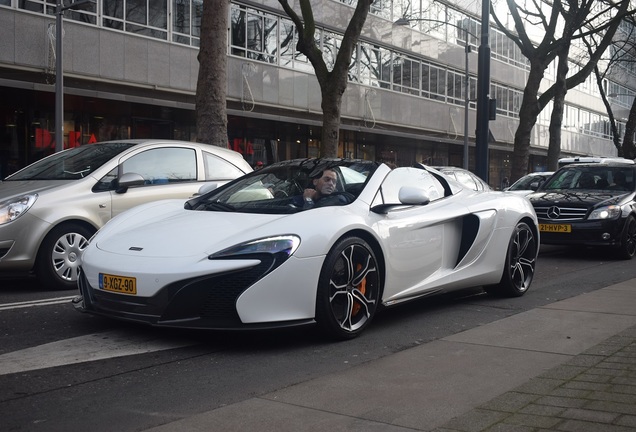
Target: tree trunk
(556,119)
(331,104)
(528,113)
(211,108)
(332,83)
(630,127)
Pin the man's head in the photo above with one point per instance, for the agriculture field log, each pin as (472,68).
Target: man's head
(326,183)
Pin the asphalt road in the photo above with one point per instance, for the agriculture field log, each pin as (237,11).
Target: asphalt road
(64,371)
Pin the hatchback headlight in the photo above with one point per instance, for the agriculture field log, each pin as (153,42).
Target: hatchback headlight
(609,212)
(12,209)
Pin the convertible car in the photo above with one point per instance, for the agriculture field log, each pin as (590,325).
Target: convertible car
(253,254)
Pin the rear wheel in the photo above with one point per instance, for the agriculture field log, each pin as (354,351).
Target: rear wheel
(348,289)
(627,249)
(520,263)
(58,261)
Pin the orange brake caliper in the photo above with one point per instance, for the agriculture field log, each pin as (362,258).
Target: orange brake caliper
(363,289)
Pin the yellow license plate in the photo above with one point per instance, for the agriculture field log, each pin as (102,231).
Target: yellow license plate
(555,228)
(119,284)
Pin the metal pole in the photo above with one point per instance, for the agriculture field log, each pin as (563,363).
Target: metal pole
(483,96)
(466,101)
(59,80)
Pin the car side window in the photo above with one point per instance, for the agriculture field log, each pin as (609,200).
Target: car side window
(467,180)
(107,182)
(407,176)
(219,169)
(163,165)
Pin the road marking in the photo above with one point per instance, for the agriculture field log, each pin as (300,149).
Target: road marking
(93,347)
(32,303)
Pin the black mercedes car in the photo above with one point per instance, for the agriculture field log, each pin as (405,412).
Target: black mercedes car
(590,205)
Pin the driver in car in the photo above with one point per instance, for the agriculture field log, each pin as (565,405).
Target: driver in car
(324,187)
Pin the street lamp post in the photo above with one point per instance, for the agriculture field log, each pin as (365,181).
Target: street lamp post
(405,21)
(483,95)
(59,72)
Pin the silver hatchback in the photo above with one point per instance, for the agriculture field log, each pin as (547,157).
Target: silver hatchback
(49,209)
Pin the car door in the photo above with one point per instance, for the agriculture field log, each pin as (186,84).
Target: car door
(168,172)
(421,242)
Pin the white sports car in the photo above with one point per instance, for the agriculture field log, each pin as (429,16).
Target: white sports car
(255,254)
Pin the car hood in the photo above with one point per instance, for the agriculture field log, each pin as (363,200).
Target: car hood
(11,189)
(575,198)
(168,230)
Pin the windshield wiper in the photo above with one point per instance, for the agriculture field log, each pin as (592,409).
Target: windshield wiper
(217,205)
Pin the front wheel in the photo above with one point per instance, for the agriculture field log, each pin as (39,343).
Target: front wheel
(58,261)
(348,289)
(627,249)
(519,266)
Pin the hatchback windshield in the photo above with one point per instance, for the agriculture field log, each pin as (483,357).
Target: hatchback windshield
(278,189)
(71,164)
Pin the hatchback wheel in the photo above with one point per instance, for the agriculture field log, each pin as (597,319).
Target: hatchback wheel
(58,261)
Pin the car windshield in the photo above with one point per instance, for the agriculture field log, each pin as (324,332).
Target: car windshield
(524,182)
(71,164)
(599,177)
(278,189)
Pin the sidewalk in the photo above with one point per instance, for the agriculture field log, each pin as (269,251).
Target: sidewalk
(567,366)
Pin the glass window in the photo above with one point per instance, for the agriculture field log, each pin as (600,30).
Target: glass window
(433,82)
(158,13)
(219,169)
(415,177)
(181,16)
(136,11)
(113,8)
(163,165)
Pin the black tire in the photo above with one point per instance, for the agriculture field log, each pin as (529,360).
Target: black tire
(627,250)
(58,260)
(348,289)
(520,263)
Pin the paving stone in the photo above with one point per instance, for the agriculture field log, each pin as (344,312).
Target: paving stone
(603,371)
(564,372)
(614,397)
(585,360)
(589,415)
(476,420)
(588,385)
(627,420)
(533,420)
(625,380)
(561,401)
(539,386)
(612,407)
(628,389)
(571,393)
(506,427)
(581,426)
(542,410)
(510,402)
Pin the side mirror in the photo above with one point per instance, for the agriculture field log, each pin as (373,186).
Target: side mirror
(408,195)
(413,196)
(127,180)
(535,185)
(207,187)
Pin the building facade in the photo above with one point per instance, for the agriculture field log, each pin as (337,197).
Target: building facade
(130,71)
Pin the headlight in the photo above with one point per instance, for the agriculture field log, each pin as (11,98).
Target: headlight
(284,245)
(12,209)
(609,212)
